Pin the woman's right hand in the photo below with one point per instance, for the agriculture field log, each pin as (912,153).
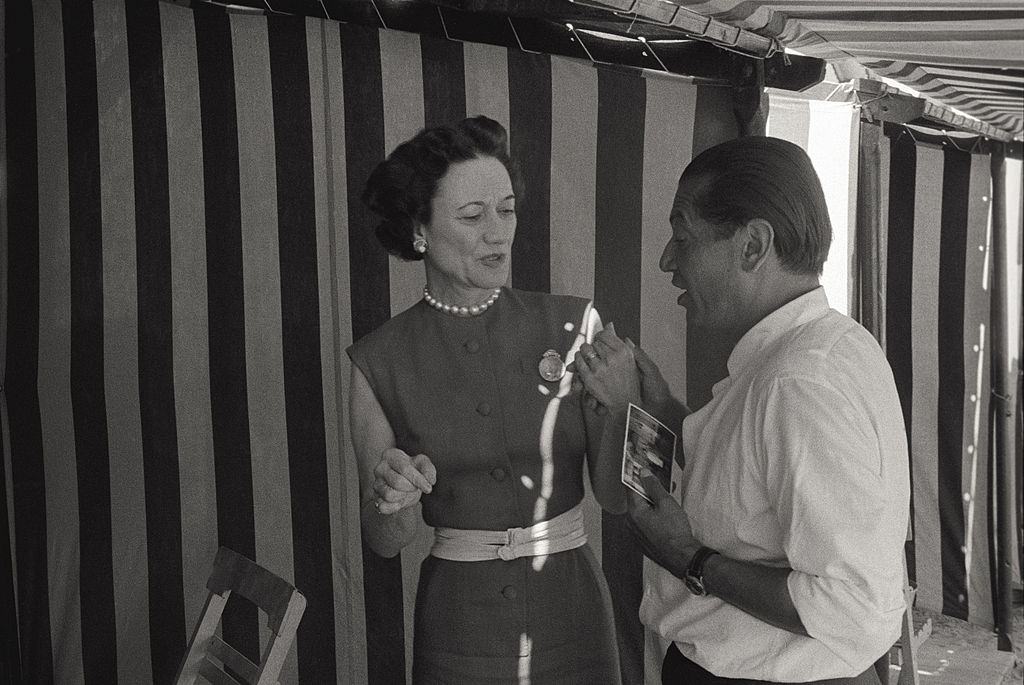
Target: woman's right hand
(400,480)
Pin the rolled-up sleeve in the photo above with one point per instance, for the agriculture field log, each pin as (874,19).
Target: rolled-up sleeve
(843,524)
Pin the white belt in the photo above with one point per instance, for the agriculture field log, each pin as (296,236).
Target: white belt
(559,534)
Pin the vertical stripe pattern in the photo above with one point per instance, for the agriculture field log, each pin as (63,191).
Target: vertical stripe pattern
(262,307)
(88,395)
(229,406)
(669,129)
(937,323)
(191,334)
(156,375)
(59,461)
(369,291)
(977,352)
(23,344)
(300,327)
(529,82)
(829,133)
(120,342)
(444,81)
(950,331)
(899,282)
(621,108)
(934,199)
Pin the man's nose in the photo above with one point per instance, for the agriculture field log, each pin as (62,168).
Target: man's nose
(667,261)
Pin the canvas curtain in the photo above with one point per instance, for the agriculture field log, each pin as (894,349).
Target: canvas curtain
(829,133)
(185,260)
(937,199)
(934,279)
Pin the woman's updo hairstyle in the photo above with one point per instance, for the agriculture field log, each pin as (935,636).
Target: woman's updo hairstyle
(401,187)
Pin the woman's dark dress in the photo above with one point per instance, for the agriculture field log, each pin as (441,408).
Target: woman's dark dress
(467,393)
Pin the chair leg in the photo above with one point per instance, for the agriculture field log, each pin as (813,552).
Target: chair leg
(882,668)
(910,641)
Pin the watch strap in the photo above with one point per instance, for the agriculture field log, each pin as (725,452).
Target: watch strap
(695,570)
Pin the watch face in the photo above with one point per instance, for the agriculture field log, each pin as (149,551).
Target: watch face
(695,585)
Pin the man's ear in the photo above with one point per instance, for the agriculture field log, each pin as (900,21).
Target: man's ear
(758,238)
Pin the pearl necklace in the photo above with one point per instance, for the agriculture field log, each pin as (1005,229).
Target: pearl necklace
(473,310)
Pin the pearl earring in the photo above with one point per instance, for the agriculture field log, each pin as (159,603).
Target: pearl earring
(420,244)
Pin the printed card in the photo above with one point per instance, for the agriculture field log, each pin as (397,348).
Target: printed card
(648,443)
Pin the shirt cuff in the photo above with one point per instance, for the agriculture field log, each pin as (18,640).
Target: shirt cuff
(841,617)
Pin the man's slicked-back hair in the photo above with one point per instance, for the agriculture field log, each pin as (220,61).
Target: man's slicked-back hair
(400,188)
(758,177)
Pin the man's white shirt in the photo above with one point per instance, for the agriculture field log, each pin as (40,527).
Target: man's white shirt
(799,460)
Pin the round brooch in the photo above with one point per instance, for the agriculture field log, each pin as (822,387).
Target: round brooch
(551,366)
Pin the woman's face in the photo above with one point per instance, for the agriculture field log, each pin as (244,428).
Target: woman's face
(469,237)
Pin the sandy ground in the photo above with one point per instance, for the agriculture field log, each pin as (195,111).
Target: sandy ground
(960,636)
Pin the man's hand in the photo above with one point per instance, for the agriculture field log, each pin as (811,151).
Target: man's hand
(608,370)
(661,527)
(664,534)
(653,387)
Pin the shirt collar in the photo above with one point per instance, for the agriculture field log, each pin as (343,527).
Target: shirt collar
(807,307)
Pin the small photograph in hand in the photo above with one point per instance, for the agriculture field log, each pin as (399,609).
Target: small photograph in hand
(648,443)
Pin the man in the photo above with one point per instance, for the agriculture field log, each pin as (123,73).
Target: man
(783,562)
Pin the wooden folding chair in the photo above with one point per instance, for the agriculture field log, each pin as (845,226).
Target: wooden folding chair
(904,652)
(208,655)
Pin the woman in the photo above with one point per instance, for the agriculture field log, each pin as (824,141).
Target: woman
(462,413)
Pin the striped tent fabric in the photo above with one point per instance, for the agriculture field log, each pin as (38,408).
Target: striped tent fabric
(937,332)
(829,133)
(936,199)
(964,55)
(184,264)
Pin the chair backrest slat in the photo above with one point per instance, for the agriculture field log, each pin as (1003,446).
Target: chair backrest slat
(233,659)
(234,572)
(275,597)
(212,674)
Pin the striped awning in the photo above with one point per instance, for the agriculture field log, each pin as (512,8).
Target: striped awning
(964,55)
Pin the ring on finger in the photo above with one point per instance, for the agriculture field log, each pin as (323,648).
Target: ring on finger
(590,355)
(376,504)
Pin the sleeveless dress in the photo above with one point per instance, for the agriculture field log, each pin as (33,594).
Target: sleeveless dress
(467,393)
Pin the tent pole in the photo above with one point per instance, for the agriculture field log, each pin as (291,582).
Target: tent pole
(1019,416)
(870,260)
(1002,396)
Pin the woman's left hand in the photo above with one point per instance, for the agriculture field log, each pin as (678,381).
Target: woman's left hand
(608,370)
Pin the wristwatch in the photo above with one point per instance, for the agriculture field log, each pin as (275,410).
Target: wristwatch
(694,578)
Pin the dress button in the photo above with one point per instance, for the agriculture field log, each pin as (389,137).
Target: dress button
(472,346)
(509,592)
(483,409)
(498,474)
